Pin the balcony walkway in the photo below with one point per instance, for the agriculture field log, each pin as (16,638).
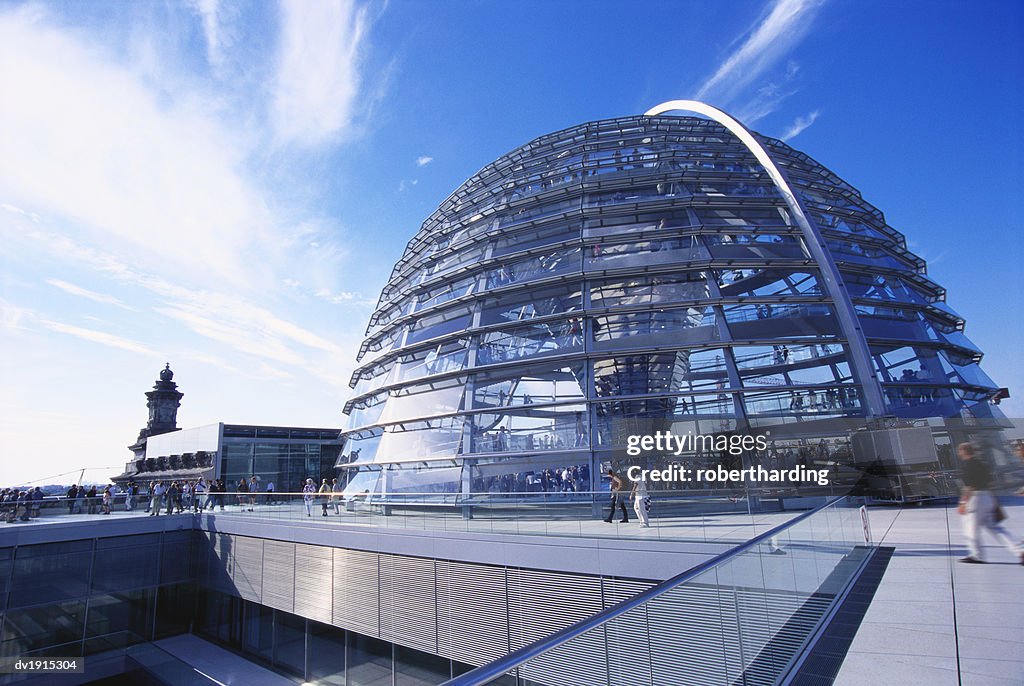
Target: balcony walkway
(712,520)
(934,621)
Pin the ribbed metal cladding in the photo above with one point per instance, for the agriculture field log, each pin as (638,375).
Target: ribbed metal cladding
(356,592)
(314,582)
(472,612)
(629,655)
(279,575)
(541,603)
(408,602)
(688,621)
(791,617)
(247,568)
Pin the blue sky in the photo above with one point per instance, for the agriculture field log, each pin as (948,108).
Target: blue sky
(225,186)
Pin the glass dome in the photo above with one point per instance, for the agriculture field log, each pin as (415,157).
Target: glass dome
(643,269)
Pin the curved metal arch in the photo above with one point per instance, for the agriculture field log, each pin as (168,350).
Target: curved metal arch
(860,358)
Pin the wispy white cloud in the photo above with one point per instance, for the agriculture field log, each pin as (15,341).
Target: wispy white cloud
(423,160)
(800,125)
(101,337)
(86,293)
(318,81)
(207,10)
(160,176)
(774,36)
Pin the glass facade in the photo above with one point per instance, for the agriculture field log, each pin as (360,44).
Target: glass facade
(89,596)
(282,455)
(643,268)
(313,651)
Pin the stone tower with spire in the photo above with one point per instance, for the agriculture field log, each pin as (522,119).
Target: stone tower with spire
(163,403)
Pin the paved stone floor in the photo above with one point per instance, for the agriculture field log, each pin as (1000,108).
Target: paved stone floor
(937,622)
(712,520)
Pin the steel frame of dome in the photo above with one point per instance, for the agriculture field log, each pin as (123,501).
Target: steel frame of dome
(677,269)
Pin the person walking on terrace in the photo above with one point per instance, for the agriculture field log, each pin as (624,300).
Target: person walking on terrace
(156,498)
(308,494)
(325,497)
(618,499)
(979,507)
(642,502)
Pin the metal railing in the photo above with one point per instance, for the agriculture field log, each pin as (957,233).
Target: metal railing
(743,617)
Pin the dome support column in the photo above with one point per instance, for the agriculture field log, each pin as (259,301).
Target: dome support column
(860,360)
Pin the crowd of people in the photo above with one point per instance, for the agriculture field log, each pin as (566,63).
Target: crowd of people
(20,505)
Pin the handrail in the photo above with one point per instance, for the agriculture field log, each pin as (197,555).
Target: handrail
(485,673)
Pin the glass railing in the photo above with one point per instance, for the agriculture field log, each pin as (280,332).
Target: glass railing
(743,617)
(696,515)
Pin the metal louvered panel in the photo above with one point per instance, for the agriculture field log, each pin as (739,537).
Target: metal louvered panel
(787,619)
(247,568)
(356,592)
(541,603)
(279,575)
(314,582)
(407,602)
(472,612)
(687,629)
(629,651)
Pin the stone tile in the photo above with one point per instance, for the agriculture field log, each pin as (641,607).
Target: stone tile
(905,640)
(976,671)
(859,669)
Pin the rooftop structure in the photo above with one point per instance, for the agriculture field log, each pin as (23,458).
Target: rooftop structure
(663,272)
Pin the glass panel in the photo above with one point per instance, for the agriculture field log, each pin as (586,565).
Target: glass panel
(644,253)
(421,440)
(747,282)
(175,609)
(440,323)
(369,661)
(535,303)
(448,356)
(685,326)
(534,238)
(784,365)
(131,611)
(425,400)
(417,668)
(527,386)
(530,341)
(745,246)
(326,654)
(839,401)
(290,642)
(534,267)
(523,430)
(668,372)
(752,321)
(648,290)
(742,216)
(50,572)
(55,624)
(861,253)
(445,292)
